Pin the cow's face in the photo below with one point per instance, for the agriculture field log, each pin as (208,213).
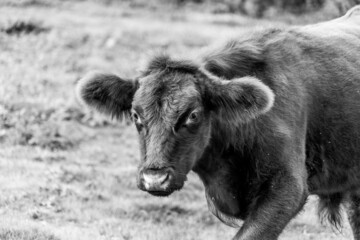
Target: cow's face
(174,129)
(172,108)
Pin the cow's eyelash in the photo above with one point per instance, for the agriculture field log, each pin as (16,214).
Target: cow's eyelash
(182,119)
(137,119)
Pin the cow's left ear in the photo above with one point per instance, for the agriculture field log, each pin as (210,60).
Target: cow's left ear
(107,93)
(242,98)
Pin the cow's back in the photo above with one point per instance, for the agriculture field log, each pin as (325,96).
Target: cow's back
(347,26)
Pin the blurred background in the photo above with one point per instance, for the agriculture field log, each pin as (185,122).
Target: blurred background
(67,173)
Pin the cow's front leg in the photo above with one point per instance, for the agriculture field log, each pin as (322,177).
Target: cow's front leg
(278,203)
(353,211)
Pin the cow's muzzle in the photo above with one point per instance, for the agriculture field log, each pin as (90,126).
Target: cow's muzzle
(156,181)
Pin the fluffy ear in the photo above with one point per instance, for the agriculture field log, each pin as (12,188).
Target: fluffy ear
(242,98)
(107,93)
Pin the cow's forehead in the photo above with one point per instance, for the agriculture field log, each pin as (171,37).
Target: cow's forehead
(165,96)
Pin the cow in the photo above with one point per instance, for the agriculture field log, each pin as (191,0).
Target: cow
(265,120)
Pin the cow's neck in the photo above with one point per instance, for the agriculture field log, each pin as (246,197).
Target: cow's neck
(227,178)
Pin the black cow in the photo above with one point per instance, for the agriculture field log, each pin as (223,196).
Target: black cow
(265,120)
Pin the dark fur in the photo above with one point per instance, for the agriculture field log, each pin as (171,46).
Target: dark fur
(330,209)
(353,211)
(163,62)
(235,59)
(259,160)
(107,93)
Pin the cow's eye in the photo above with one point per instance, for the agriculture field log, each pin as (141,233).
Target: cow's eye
(192,118)
(135,117)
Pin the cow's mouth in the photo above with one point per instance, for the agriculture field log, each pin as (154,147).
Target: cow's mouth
(160,193)
(165,192)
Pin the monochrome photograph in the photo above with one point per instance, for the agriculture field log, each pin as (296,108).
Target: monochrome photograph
(179,119)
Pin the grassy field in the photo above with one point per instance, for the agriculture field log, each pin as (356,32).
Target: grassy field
(67,173)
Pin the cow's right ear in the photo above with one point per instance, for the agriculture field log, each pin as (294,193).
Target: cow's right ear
(107,93)
(240,99)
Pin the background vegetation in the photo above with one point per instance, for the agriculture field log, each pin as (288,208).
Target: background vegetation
(261,8)
(67,173)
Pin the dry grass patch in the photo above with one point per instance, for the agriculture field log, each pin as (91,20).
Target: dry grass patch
(20,234)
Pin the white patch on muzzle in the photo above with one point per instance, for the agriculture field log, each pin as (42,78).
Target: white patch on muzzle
(155,181)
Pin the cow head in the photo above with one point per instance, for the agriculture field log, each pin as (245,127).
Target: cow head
(172,106)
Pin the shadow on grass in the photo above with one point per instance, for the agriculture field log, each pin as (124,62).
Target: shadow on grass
(24,27)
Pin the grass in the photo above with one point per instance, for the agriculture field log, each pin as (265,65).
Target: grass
(67,173)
